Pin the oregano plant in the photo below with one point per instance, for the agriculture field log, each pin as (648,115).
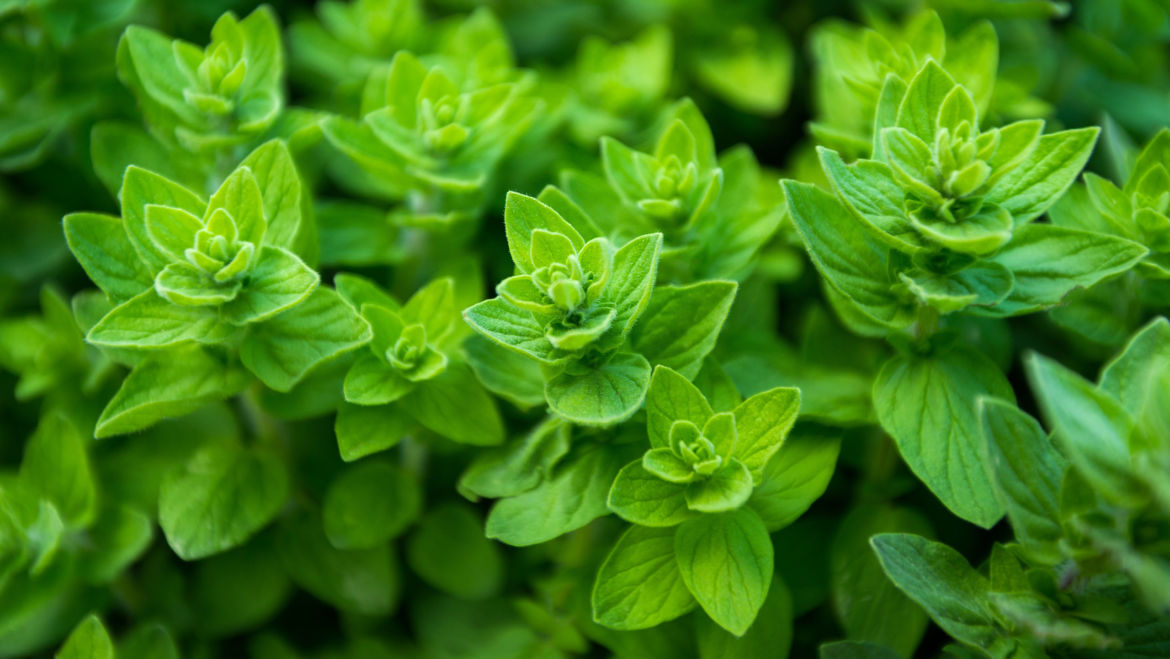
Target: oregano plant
(420,328)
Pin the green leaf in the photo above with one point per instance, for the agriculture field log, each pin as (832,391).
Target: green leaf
(171,385)
(869,189)
(1042,178)
(282,197)
(1049,261)
(601,396)
(279,280)
(512,328)
(773,639)
(522,216)
(89,640)
(361,581)
(100,245)
(635,267)
(1028,473)
(368,504)
(371,381)
(57,467)
(795,477)
(518,466)
(1092,427)
(919,110)
(454,405)
(140,188)
(571,497)
(219,499)
(282,350)
(927,404)
(761,424)
(507,373)
(943,583)
(983,283)
(639,585)
(853,263)
(672,398)
(641,497)
(363,430)
(119,536)
(450,552)
(726,489)
(149,321)
(868,606)
(726,562)
(1133,377)
(682,323)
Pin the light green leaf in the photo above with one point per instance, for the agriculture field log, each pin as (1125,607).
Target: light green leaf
(601,396)
(363,430)
(279,280)
(89,640)
(641,497)
(454,405)
(726,562)
(522,216)
(635,267)
(507,373)
(1028,475)
(149,321)
(761,424)
(100,245)
(368,504)
(941,580)
(140,188)
(1049,261)
(170,385)
(219,499)
(927,404)
(518,466)
(918,112)
(1092,427)
(512,328)
(795,477)
(571,497)
(1133,376)
(281,193)
(371,381)
(639,585)
(282,350)
(773,639)
(869,189)
(726,489)
(682,323)
(983,283)
(449,551)
(853,263)
(1042,178)
(672,398)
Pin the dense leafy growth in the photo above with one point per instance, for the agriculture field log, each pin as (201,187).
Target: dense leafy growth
(454,329)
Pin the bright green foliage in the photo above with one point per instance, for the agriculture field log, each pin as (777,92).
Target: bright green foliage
(485,330)
(207,98)
(696,485)
(571,308)
(1074,505)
